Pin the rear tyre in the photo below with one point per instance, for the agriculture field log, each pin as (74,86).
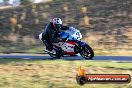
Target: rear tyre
(86,52)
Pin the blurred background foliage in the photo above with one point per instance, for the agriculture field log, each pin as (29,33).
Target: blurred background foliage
(26,2)
(106,25)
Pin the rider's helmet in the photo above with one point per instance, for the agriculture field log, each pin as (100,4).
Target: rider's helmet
(57,22)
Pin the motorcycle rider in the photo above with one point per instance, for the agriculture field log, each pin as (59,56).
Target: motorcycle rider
(51,33)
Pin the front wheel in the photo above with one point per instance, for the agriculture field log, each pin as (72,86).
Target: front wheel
(86,51)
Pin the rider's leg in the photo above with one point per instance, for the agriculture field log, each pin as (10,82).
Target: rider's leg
(46,41)
(49,47)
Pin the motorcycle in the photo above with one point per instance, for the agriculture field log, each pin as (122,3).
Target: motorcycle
(72,45)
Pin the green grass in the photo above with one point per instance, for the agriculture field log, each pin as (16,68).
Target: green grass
(113,52)
(18,73)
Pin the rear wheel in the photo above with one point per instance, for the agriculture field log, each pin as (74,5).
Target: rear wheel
(86,51)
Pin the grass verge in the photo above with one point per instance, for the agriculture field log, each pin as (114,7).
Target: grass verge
(18,73)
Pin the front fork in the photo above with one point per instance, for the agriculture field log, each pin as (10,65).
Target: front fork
(77,46)
(77,49)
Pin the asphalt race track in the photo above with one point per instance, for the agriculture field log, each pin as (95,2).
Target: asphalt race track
(45,57)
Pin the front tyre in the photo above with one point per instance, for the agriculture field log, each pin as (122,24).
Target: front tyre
(86,51)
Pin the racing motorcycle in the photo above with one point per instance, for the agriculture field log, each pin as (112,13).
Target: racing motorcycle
(71,45)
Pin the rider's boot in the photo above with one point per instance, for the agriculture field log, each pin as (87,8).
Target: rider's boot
(52,51)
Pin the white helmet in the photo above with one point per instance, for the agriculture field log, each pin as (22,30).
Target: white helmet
(57,21)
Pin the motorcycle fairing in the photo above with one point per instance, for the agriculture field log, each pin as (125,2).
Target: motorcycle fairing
(67,47)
